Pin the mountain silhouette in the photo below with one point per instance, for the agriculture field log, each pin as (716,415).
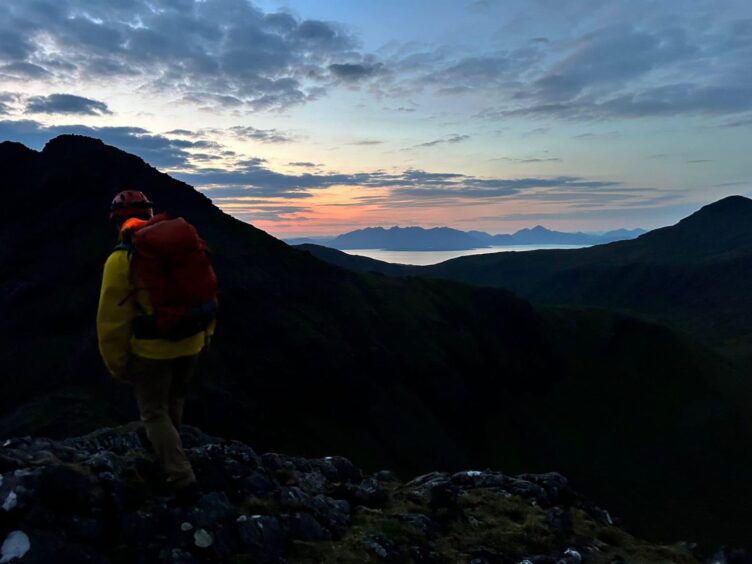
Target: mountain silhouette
(448,239)
(413,374)
(406,239)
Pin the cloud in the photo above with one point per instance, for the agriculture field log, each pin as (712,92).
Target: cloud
(7,99)
(367,142)
(253,179)
(261,210)
(262,135)
(611,56)
(303,164)
(21,70)
(451,139)
(219,52)
(245,132)
(65,104)
(353,72)
(529,160)
(462,186)
(742,122)
(663,62)
(157,150)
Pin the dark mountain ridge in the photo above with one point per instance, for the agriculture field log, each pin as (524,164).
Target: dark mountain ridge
(413,374)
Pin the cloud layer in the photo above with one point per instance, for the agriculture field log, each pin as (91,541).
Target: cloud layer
(220,52)
(65,104)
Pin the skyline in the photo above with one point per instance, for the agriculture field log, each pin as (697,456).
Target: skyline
(309,119)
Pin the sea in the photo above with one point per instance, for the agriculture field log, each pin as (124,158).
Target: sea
(424,258)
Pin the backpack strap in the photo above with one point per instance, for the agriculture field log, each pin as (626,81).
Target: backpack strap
(122,246)
(127,246)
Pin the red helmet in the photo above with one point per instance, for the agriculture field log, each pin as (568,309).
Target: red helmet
(129,203)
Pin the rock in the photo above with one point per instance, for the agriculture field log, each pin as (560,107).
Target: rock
(15,546)
(556,486)
(370,493)
(176,556)
(203,538)
(726,555)
(386,476)
(383,548)
(274,461)
(293,498)
(263,536)
(304,527)
(421,522)
(443,495)
(560,520)
(103,462)
(258,483)
(211,509)
(339,469)
(242,453)
(422,554)
(571,556)
(484,555)
(431,479)
(10,502)
(333,514)
(313,482)
(529,490)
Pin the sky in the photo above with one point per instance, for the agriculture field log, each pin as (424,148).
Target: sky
(310,118)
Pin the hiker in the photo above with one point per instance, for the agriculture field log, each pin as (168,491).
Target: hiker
(156,314)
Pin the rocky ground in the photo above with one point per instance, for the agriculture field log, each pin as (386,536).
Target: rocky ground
(101,498)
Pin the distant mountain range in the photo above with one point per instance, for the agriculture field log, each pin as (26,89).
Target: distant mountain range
(448,239)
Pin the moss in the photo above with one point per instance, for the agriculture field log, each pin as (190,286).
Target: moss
(616,542)
(257,506)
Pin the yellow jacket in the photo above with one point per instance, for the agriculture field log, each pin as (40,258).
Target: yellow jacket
(118,309)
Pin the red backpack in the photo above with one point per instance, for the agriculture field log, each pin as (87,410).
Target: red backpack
(171,262)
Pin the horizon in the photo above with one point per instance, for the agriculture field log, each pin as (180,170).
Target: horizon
(311,120)
(407,226)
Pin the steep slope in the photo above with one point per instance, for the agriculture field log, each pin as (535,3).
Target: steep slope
(412,374)
(356,262)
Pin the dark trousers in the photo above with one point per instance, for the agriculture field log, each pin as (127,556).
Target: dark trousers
(160,387)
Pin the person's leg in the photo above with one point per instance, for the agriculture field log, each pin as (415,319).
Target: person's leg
(151,381)
(182,372)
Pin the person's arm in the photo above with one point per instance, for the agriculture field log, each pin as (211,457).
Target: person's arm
(115,314)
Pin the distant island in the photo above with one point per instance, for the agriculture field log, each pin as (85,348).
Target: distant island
(448,239)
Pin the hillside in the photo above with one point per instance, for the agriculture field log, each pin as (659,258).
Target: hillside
(412,374)
(100,498)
